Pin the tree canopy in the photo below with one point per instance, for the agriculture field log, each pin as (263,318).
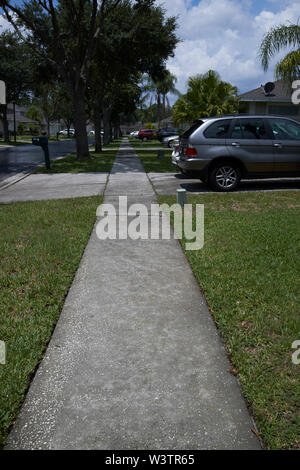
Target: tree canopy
(278,38)
(112,40)
(207,95)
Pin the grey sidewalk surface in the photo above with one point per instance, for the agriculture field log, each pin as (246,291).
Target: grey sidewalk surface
(135,361)
(37,187)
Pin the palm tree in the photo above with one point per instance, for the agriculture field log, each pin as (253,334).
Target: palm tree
(279,38)
(160,89)
(207,96)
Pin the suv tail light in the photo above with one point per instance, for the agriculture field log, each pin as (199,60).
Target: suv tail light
(190,152)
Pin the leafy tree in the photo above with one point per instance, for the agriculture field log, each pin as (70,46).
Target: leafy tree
(279,38)
(48,98)
(64,33)
(16,72)
(207,96)
(65,109)
(34,114)
(143,38)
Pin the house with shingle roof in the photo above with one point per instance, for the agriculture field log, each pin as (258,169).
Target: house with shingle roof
(278,101)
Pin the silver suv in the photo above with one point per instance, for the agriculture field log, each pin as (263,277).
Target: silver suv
(225,149)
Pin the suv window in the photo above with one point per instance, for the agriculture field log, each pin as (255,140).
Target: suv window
(285,130)
(192,129)
(250,129)
(218,130)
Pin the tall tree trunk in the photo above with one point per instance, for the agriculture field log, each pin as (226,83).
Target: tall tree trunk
(5,123)
(80,118)
(117,129)
(110,131)
(158,110)
(106,125)
(97,123)
(116,124)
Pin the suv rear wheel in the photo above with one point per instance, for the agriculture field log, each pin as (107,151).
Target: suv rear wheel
(225,176)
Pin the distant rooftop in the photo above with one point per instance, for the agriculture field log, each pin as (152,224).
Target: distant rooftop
(281,92)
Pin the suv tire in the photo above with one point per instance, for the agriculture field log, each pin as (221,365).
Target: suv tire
(224,176)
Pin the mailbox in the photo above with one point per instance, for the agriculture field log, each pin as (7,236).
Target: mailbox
(42,141)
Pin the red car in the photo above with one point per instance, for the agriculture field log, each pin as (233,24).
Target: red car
(147,134)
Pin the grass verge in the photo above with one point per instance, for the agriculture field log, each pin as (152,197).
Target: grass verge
(249,273)
(152,164)
(41,246)
(100,162)
(139,144)
(14,144)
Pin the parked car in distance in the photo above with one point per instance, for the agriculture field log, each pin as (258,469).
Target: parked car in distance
(134,134)
(175,155)
(225,149)
(65,132)
(147,134)
(166,132)
(93,132)
(168,141)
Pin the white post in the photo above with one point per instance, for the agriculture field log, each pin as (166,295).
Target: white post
(181,197)
(2,352)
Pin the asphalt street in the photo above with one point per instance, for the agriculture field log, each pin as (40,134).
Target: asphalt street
(24,159)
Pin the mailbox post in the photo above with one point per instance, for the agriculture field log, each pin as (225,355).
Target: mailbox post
(43,142)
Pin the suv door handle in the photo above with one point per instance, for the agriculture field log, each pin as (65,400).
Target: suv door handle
(236,144)
(277,146)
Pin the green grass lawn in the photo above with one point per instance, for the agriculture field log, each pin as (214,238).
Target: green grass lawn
(114,143)
(250,274)
(100,162)
(136,143)
(41,246)
(13,143)
(152,164)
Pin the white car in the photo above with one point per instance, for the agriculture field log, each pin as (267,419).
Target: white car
(93,132)
(169,141)
(175,154)
(65,132)
(134,134)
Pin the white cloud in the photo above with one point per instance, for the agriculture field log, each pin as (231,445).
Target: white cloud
(4,24)
(224,35)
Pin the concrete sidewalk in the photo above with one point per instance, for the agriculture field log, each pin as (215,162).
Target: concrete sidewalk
(135,361)
(37,187)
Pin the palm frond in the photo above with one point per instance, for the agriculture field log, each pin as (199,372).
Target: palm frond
(278,38)
(288,69)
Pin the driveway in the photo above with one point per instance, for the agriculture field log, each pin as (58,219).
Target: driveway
(167,183)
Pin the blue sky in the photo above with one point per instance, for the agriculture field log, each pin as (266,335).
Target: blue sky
(224,35)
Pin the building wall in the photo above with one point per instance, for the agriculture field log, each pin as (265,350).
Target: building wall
(282,108)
